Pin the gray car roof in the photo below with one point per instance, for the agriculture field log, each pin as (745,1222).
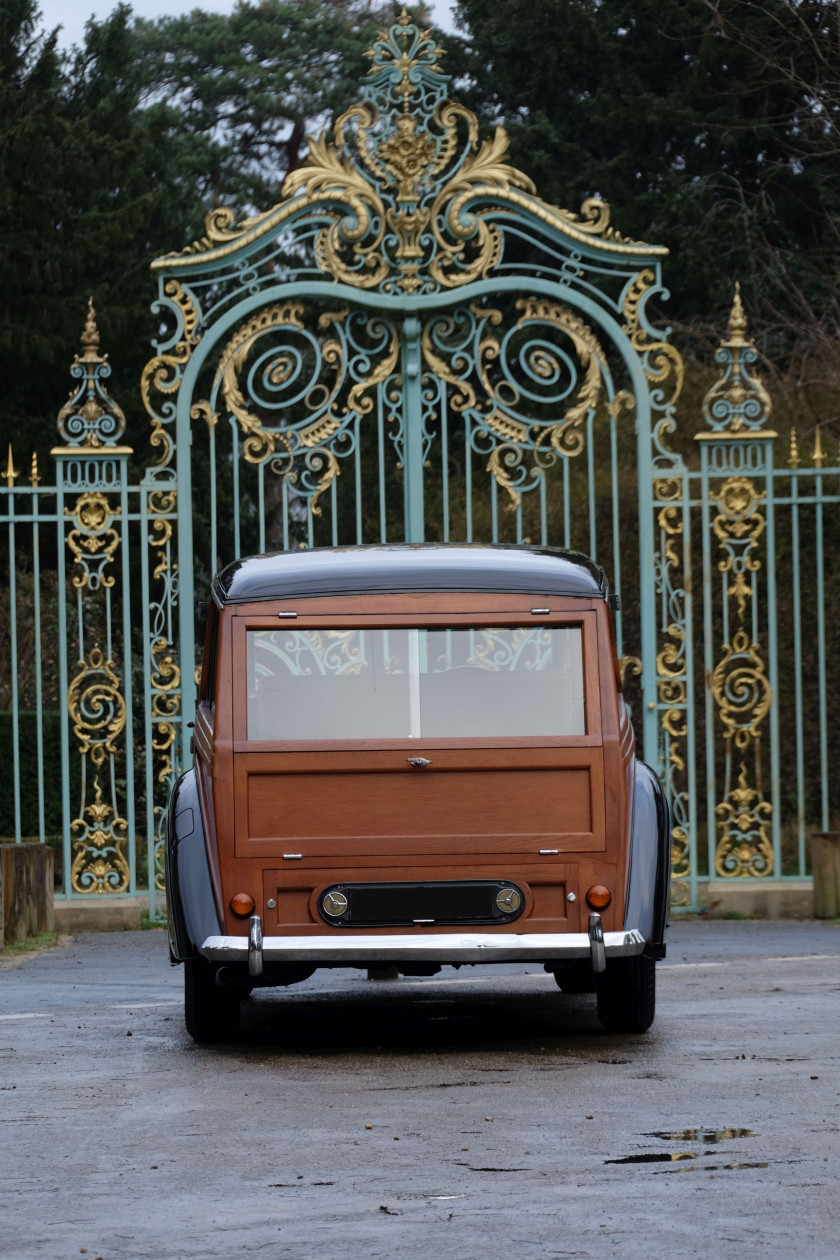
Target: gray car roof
(381,569)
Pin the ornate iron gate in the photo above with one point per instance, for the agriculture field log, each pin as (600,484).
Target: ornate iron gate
(411,345)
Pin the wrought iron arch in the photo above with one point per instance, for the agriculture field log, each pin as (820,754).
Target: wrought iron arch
(410,313)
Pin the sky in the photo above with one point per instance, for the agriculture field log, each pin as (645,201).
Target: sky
(71,15)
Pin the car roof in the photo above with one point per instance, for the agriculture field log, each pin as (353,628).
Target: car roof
(398,567)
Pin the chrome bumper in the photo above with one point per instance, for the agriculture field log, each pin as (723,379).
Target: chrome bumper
(451,947)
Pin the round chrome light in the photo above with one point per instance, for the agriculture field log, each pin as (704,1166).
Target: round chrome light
(508,900)
(334,904)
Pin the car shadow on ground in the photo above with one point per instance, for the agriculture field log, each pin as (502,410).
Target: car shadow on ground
(406,1017)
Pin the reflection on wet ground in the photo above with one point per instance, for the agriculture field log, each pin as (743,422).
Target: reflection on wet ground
(660,1158)
(723,1167)
(705,1136)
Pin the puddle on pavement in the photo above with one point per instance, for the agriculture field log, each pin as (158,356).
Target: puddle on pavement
(718,1167)
(706,1136)
(665,1157)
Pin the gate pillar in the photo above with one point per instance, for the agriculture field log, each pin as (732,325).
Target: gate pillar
(93,519)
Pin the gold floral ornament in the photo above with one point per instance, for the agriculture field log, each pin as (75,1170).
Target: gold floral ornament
(100,863)
(738,401)
(94,541)
(744,847)
(90,419)
(739,526)
(406,198)
(672,682)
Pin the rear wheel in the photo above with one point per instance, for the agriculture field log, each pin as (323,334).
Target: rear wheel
(574,978)
(210,1012)
(627,994)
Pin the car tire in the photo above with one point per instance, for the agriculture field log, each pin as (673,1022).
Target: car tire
(574,979)
(626,994)
(210,1013)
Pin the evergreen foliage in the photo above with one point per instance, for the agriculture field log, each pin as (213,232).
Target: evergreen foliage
(112,154)
(710,126)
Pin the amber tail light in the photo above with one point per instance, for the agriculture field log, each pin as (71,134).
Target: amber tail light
(598,897)
(242,904)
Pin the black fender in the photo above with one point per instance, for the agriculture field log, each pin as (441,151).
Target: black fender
(650,862)
(190,904)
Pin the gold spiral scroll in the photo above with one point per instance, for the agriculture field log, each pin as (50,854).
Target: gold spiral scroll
(742,692)
(96,707)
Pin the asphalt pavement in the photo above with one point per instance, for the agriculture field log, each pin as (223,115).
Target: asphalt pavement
(476,1114)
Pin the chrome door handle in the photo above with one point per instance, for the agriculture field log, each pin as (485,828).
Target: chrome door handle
(419,762)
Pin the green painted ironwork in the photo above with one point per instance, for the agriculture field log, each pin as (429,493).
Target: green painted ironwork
(413,346)
(410,346)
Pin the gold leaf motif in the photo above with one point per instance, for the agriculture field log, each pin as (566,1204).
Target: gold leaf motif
(670,661)
(660,359)
(744,847)
(100,864)
(93,543)
(629,664)
(164,372)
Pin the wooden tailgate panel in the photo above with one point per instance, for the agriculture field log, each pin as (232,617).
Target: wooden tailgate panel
(409,812)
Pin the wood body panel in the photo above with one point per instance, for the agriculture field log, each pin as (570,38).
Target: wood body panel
(395,810)
(484,809)
(296,893)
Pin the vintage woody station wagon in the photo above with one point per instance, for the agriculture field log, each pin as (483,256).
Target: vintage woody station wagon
(414,756)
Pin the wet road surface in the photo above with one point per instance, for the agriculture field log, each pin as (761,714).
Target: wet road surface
(479,1113)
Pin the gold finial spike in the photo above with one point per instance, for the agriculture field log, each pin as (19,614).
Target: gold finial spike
(90,334)
(793,457)
(404,19)
(819,453)
(737,319)
(9,473)
(34,475)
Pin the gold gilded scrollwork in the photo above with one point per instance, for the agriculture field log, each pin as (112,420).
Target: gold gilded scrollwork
(164,372)
(741,690)
(744,847)
(629,665)
(672,681)
(739,683)
(100,864)
(661,360)
(739,526)
(545,362)
(94,542)
(96,706)
(260,443)
(406,197)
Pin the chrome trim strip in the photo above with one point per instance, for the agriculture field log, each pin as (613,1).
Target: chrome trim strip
(450,947)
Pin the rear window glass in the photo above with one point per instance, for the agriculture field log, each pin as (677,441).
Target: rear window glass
(415,683)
